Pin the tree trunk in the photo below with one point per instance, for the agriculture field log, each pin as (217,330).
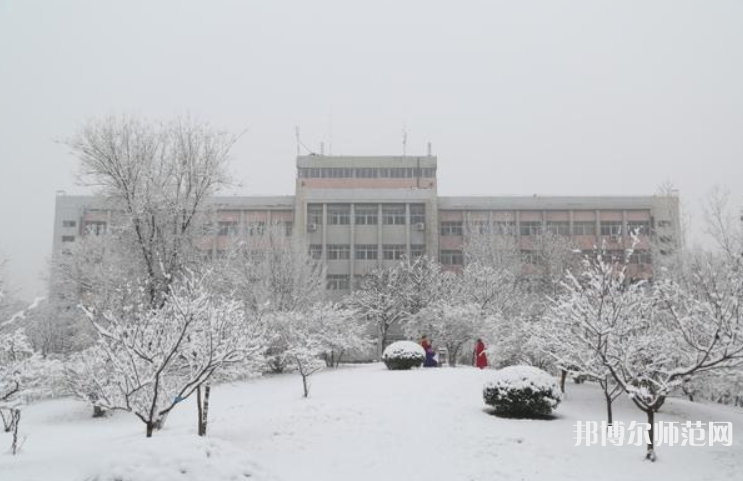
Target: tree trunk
(563,377)
(98,412)
(199,412)
(651,434)
(453,353)
(205,415)
(15,420)
(304,385)
(609,401)
(150,427)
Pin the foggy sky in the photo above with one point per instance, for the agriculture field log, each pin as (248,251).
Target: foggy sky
(518,97)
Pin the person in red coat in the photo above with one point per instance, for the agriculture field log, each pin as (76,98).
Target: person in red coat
(481,359)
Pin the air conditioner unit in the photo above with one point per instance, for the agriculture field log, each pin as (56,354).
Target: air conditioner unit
(312,227)
(420,226)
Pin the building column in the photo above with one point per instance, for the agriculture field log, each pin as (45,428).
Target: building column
(571,221)
(324,255)
(352,255)
(379,235)
(599,238)
(408,226)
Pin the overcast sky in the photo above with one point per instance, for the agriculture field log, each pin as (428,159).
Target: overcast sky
(517,97)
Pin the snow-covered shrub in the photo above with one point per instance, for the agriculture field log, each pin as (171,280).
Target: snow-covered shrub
(522,391)
(403,355)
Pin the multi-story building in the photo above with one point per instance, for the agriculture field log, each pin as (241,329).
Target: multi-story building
(358,213)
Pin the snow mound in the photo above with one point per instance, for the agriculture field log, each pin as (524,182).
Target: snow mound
(178,458)
(522,391)
(404,350)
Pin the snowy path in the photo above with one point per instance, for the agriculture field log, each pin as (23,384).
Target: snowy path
(367,423)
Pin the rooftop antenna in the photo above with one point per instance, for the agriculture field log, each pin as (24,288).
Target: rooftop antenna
(322,148)
(429,149)
(330,131)
(299,142)
(404,141)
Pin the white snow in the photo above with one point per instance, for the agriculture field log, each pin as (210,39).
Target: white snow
(364,423)
(404,350)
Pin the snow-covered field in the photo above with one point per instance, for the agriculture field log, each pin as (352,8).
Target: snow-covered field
(360,423)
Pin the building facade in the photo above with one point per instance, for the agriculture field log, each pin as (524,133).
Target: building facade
(357,213)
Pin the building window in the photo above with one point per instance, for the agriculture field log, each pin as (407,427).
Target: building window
(339,252)
(428,172)
(69,223)
(227,227)
(504,228)
(640,257)
(531,227)
(417,213)
(336,172)
(452,257)
(451,227)
(584,228)
(530,257)
(316,251)
(309,173)
(314,214)
(393,214)
(393,252)
(338,282)
(417,250)
(664,223)
(358,280)
(397,172)
(339,214)
(68,238)
(366,172)
(611,228)
(366,214)
(558,228)
(254,228)
(95,227)
(288,227)
(366,252)
(480,227)
(638,227)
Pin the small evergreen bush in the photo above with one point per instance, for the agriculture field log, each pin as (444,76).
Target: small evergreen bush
(403,355)
(522,392)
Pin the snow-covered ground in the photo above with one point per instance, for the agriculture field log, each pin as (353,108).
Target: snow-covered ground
(362,423)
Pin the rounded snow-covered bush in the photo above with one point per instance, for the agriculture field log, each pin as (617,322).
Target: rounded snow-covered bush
(523,392)
(403,355)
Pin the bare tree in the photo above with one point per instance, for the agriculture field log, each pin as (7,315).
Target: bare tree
(158,178)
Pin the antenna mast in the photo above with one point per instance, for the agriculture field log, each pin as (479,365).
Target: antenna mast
(404,142)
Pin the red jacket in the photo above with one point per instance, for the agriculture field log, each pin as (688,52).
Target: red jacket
(481,359)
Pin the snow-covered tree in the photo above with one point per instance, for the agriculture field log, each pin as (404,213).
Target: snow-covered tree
(579,327)
(272,271)
(382,300)
(24,375)
(340,332)
(157,179)
(155,358)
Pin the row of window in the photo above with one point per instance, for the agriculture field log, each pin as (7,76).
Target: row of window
(535,228)
(366,172)
(231,228)
(367,252)
(366,214)
(456,257)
